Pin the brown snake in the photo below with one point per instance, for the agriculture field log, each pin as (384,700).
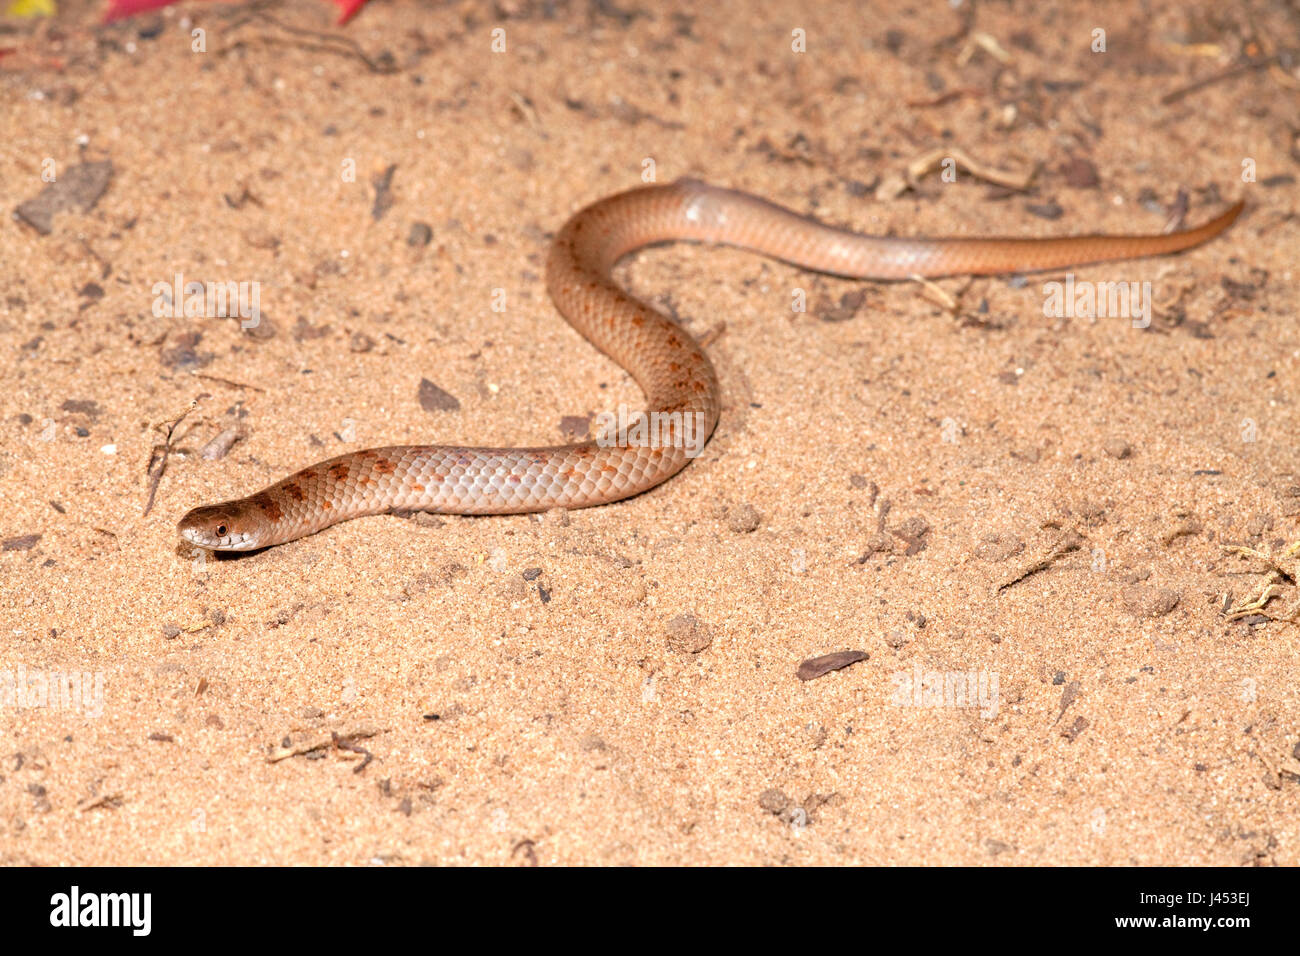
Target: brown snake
(680,385)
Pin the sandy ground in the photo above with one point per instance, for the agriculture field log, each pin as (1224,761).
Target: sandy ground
(1031,507)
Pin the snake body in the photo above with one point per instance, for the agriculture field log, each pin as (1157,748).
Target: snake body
(673,371)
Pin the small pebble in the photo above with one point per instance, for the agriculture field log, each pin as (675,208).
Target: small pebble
(815,667)
(687,634)
(1118,448)
(1147,600)
(744,519)
(220,445)
(420,234)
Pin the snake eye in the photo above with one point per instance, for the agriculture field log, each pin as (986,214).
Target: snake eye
(221,531)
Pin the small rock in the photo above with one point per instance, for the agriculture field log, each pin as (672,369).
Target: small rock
(1080,173)
(220,446)
(77,187)
(897,640)
(815,667)
(1258,525)
(151,28)
(304,331)
(687,634)
(420,235)
(263,330)
(21,543)
(78,406)
(1072,732)
(870,487)
(262,239)
(744,519)
(849,306)
(1147,600)
(878,543)
(1045,210)
(1118,448)
(383,184)
(182,353)
(434,399)
(575,427)
(914,527)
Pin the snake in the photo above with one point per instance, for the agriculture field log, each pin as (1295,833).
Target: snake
(683,398)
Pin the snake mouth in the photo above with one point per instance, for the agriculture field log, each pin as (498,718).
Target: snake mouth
(229,542)
(218,528)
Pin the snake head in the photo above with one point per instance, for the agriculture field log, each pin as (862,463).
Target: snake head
(229,526)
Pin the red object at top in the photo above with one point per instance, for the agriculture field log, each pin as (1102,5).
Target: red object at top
(120,9)
(347,8)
